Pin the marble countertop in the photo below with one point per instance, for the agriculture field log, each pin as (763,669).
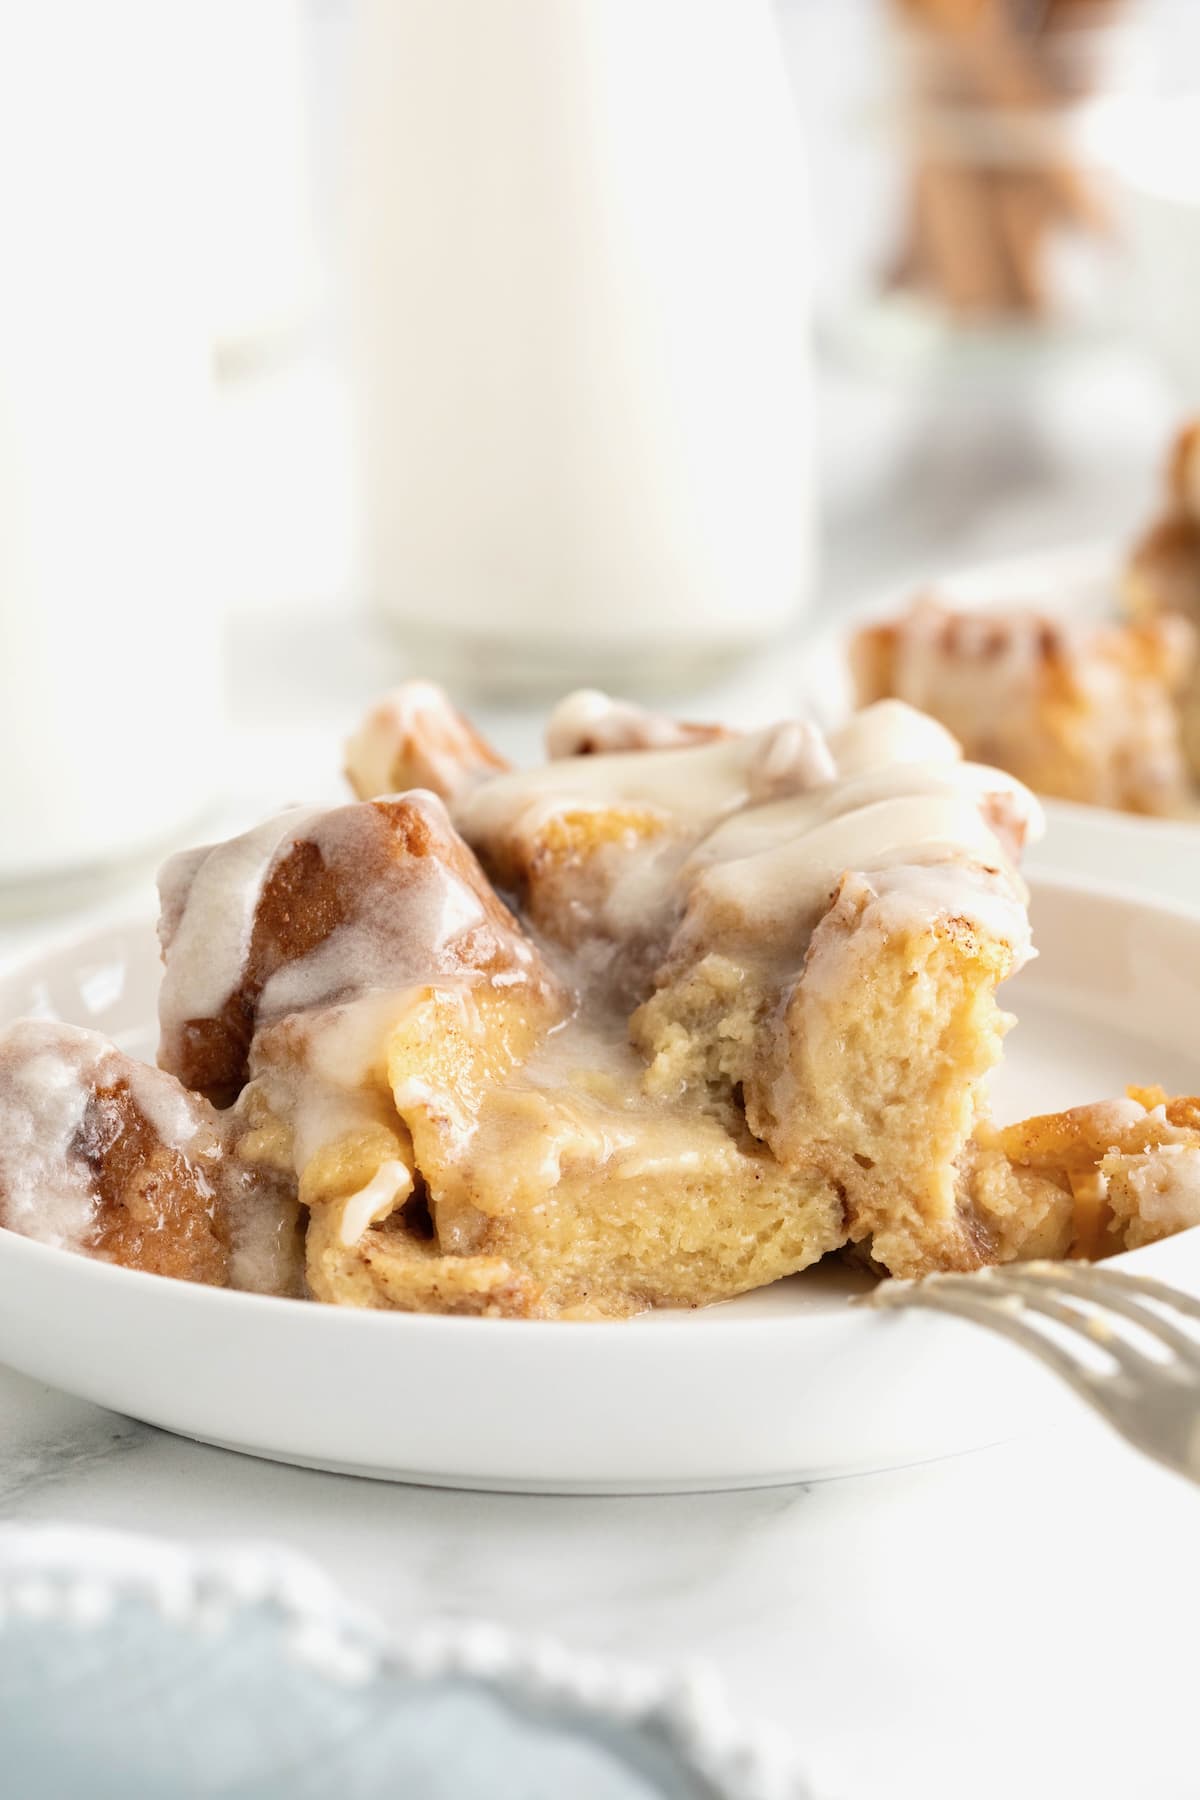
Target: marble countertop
(1015,1621)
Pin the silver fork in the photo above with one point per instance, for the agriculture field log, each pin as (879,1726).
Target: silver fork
(1152,1399)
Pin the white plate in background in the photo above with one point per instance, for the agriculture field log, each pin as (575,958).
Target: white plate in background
(1161,856)
(784,1385)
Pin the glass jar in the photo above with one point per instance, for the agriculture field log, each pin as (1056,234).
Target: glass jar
(579,349)
(1000,228)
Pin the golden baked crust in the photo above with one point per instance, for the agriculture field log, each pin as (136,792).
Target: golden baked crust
(1131,1168)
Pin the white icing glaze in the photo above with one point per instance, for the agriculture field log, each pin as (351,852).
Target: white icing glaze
(328,1078)
(401,930)
(49,1074)
(172,1113)
(691,787)
(46,1078)
(699,784)
(592,721)
(783,888)
(403,926)
(791,758)
(391,1184)
(890,732)
(910,893)
(885,790)
(864,798)
(209,899)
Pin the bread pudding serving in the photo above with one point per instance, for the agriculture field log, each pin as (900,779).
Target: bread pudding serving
(1104,712)
(1085,712)
(678,1013)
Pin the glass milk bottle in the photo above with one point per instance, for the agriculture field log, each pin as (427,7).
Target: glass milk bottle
(578,325)
(108,643)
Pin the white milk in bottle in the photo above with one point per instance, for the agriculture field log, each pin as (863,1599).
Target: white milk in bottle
(578,310)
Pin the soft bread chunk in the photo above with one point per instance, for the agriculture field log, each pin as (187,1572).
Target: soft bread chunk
(102,1154)
(815,921)
(489,1156)
(1085,712)
(414,738)
(311,906)
(589,723)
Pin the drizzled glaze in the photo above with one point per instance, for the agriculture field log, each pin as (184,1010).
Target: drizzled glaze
(589,723)
(762,827)
(773,868)
(391,938)
(46,1191)
(102,1154)
(388,895)
(209,897)
(698,784)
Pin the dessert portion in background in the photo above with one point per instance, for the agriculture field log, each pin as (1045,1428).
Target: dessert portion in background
(998,185)
(1162,580)
(1081,712)
(635,1028)
(1106,712)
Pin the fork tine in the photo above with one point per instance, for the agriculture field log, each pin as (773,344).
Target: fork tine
(1075,1315)
(1096,1276)
(965,1297)
(1123,1294)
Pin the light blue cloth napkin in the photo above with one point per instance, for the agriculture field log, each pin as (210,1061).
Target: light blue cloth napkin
(132,1669)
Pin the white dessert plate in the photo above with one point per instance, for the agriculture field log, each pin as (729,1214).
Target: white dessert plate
(1075,582)
(789,1384)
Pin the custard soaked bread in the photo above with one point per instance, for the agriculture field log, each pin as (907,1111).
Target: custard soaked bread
(676,1014)
(783,953)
